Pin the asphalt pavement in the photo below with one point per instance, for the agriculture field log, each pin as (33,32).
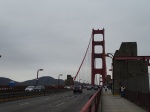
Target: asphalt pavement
(62,102)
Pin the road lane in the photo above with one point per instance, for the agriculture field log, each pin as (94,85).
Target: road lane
(63,102)
(24,104)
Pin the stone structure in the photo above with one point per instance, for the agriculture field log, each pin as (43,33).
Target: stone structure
(133,74)
(69,80)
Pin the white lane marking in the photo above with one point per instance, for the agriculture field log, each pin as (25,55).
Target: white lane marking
(46,98)
(58,101)
(60,104)
(24,104)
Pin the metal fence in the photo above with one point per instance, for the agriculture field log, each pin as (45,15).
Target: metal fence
(11,95)
(139,98)
(93,103)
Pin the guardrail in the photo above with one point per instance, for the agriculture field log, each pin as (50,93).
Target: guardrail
(139,98)
(93,103)
(4,97)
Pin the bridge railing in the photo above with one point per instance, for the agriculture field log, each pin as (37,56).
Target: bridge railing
(14,95)
(93,103)
(139,98)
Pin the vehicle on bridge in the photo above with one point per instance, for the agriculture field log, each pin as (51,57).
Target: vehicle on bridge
(30,88)
(96,87)
(89,87)
(77,89)
(39,88)
(68,87)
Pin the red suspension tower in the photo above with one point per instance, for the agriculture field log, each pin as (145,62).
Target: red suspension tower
(101,71)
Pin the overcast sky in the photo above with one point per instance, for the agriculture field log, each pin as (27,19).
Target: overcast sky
(54,34)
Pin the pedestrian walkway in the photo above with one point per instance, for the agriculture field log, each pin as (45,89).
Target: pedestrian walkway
(111,103)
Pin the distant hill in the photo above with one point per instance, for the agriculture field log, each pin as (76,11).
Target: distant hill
(46,80)
(5,81)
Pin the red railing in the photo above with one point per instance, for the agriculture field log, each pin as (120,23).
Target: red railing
(93,103)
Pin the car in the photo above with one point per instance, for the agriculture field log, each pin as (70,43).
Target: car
(96,87)
(39,88)
(29,88)
(89,87)
(68,87)
(77,89)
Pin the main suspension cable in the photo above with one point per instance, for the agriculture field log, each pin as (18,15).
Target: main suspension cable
(82,60)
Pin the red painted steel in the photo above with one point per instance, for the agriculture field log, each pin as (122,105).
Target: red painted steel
(82,60)
(101,71)
(149,102)
(93,103)
(133,58)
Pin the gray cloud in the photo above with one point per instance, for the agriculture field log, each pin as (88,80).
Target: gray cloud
(54,35)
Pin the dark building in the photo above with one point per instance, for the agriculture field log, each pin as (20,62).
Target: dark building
(69,80)
(133,74)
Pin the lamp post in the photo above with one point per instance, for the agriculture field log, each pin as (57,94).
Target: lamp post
(37,76)
(58,78)
(111,56)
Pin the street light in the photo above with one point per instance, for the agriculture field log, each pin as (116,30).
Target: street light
(110,55)
(37,76)
(58,78)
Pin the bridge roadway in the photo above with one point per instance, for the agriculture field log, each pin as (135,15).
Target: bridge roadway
(62,102)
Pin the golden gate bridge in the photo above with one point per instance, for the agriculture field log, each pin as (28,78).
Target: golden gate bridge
(88,71)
